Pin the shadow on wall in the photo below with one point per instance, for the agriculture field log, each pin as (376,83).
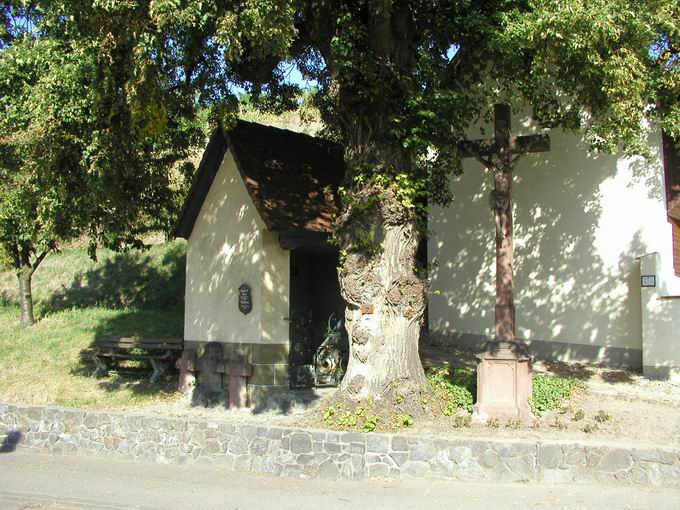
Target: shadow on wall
(128,281)
(224,252)
(661,358)
(230,246)
(580,223)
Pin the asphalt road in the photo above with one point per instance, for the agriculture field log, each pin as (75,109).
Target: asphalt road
(29,480)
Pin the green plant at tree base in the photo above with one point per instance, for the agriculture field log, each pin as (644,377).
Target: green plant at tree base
(455,387)
(549,392)
(406,420)
(363,418)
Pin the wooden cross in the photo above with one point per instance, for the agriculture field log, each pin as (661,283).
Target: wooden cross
(500,154)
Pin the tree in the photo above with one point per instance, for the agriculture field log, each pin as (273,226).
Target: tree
(77,154)
(399,81)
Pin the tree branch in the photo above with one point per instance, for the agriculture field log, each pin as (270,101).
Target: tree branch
(38,260)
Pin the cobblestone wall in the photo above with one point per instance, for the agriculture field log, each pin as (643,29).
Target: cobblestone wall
(313,453)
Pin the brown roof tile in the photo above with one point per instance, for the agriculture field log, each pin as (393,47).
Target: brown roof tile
(292,178)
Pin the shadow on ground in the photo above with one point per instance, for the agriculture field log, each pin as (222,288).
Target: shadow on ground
(127,280)
(142,293)
(9,444)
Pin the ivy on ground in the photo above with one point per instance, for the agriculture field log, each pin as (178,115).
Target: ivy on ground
(549,392)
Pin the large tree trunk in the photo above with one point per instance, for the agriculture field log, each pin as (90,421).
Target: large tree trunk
(26,296)
(385,295)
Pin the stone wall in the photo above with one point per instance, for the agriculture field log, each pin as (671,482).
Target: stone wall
(316,453)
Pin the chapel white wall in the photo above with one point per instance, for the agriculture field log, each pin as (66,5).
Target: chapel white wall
(660,321)
(275,278)
(230,245)
(581,220)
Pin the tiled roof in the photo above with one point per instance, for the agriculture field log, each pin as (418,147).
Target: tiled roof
(292,178)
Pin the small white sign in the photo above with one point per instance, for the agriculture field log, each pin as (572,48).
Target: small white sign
(648,280)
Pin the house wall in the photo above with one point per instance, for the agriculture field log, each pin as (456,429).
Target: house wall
(229,246)
(660,321)
(581,220)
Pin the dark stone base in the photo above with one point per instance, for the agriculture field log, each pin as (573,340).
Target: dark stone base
(270,370)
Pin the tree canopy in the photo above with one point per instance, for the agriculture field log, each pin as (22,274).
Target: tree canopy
(80,151)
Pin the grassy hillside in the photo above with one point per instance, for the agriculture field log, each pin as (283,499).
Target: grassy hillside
(77,299)
(152,278)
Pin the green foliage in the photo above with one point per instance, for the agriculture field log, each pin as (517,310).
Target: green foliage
(454,387)
(602,416)
(86,78)
(371,423)
(360,418)
(549,392)
(363,418)
(616,60)
(406,420)
(579,415)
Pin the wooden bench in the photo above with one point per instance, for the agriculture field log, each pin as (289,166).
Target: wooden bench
(159,352)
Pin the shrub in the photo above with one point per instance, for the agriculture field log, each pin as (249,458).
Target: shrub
(549,392)
(456,387)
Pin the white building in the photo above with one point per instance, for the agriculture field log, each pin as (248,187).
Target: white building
(585,224)
(588,228)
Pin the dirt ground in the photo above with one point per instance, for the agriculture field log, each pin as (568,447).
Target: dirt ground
(619,406)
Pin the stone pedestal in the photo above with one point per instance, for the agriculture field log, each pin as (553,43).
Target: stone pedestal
(504,382)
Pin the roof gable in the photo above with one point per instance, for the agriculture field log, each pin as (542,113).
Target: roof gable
(292,178)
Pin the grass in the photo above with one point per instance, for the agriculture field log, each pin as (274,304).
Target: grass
(152,278)
(139,293)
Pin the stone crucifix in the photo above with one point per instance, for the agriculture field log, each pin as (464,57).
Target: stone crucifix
(504,371)
(500,154)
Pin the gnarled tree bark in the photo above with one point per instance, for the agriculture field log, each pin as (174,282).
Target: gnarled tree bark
(385,295)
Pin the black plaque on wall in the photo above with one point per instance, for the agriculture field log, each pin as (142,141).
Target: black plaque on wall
(245,299)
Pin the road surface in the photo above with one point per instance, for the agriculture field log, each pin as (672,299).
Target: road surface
(30,480)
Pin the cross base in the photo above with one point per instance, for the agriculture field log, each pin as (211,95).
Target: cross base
(504,382)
